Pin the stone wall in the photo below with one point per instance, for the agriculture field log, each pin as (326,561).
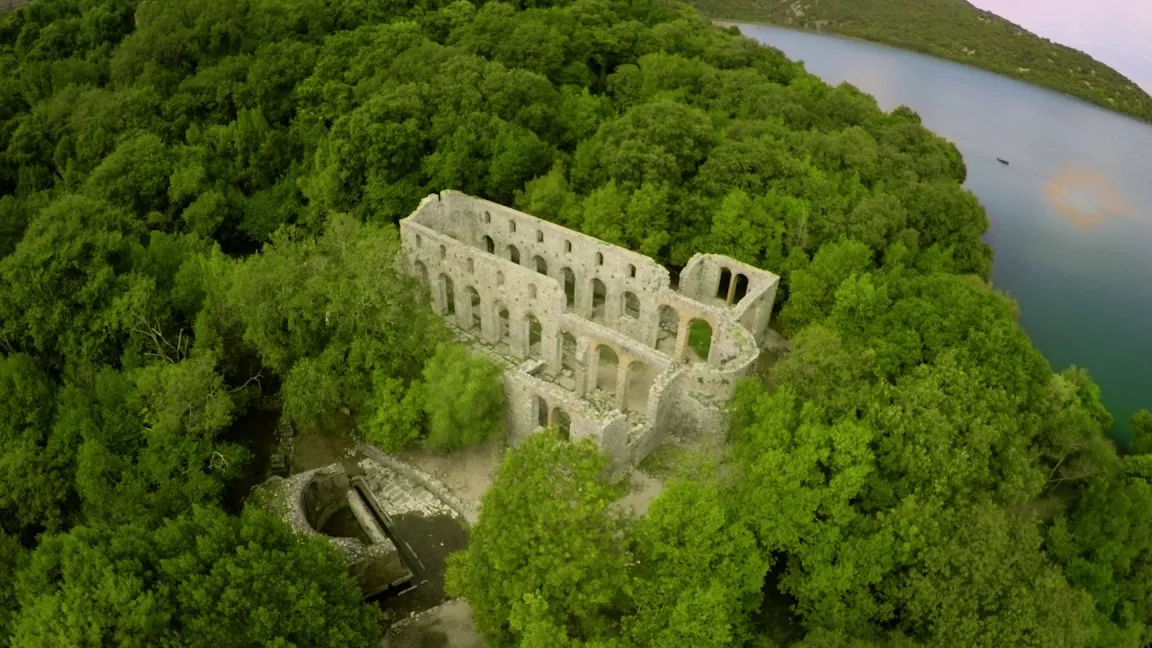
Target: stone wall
(595,337)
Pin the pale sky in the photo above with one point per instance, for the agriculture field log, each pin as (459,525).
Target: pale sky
(1117,32)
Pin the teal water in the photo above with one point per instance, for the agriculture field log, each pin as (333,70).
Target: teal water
(1070,219)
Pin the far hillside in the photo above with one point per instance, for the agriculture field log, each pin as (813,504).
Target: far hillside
(956,30)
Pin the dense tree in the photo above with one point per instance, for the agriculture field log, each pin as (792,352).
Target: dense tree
(547,548)
(202,579)
(197,214)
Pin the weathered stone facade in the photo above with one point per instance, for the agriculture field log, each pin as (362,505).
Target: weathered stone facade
(596,337)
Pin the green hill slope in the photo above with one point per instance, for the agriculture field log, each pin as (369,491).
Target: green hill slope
(956,30)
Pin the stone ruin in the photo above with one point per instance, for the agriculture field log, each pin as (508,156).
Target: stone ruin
(326,502)
(599,341)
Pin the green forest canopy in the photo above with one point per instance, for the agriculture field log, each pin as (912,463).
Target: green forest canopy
(198,216)
(954,30)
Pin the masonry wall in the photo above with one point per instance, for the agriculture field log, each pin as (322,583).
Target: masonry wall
(591,331)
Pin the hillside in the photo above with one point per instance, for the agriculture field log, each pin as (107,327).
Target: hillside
(955,30)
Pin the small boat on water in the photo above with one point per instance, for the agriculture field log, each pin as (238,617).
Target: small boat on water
(1002,161)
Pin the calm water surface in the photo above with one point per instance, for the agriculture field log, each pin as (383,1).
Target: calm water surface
(1070,218)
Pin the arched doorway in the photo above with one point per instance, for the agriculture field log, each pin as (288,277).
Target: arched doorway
(669,328)
(563,423)
(540,264)
(535,337)
(638,385)
(607,365)
(503,326)
(475,322)
(449,297)
(699,340)
(540,411)
(513,254)
(599,298)
(569,278)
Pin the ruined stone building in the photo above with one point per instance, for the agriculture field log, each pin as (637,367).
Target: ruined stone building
(599,341)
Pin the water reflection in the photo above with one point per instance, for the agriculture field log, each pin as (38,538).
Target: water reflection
(1085,197)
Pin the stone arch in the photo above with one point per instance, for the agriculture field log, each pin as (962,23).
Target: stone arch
(631,305)
(599,297)
(503,325)
(540,264)
(741,288)
(422,270)
(540,411)
(489,245)
(535,336)
(668,329)
(476,322)
(513,253)
(569,279)
(449,297)
(699,340)
(607,369)
(562,422)
(638,384)
(725,284)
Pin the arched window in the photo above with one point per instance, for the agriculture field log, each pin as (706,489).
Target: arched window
(741,288)
(487,217)
(443,252)
(631,271)
(512,226)
(419,241)
(489,245)
(513,254)
(725,283)
(599,259)
(539,236)
(567,246)
(567,351)
(540,264)
(631,305)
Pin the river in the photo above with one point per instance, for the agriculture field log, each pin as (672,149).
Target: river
(1070,218)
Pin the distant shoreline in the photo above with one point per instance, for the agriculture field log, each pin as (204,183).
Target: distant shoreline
(732,22)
